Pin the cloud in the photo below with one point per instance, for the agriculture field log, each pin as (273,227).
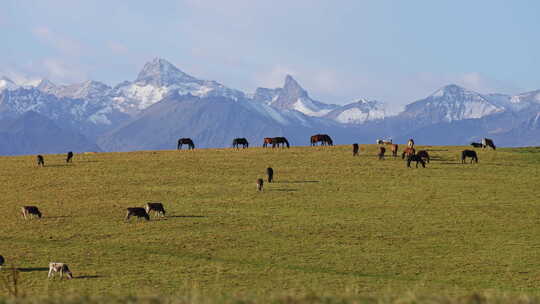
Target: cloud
(59,42)
(61,71)
(117,47)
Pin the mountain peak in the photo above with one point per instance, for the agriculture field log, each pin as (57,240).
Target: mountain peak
(160,72)
(6,83)
(452,90)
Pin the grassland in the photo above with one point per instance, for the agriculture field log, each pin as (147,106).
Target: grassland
(331,225)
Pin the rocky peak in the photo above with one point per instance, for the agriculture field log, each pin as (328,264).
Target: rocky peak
(159,72)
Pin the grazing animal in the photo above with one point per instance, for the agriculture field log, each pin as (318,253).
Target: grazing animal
(394,148)
(424,155)
(1,261)
(486,142)
(185,141)
(270,174)
(267,141)
(240,141)
(60,268)
(417,159)
(40,160)
(469,153)
(155,207)
(476,145)
(30,211)
(382,150)
(355,149)
(260,184)
(138,212)
(408,151)
(276,141)
(384,141)
(324,139)
(69,157)
(410,143)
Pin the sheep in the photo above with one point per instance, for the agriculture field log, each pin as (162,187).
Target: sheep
(156,207)
(28,211)
(138,212)
(60,268)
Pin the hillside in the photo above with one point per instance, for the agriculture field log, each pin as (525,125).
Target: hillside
(332,224)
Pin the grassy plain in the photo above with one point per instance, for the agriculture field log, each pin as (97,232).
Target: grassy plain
(331,224)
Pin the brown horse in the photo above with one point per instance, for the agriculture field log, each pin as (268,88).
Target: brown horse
(355,149)
(423,154)
(324,139)
(267,141)
(382,150)
(394,149)
(185,141)
(408,151)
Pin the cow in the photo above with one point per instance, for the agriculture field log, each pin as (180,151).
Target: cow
(138,212)
(30,211)
(60,268)
(476,145)
(486,142)
(155,207)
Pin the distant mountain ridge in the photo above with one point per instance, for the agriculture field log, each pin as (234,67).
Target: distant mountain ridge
(173,103)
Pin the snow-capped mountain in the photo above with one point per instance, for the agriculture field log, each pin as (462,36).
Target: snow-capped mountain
(451,103)
(293,97)
(157,79)
(358,112)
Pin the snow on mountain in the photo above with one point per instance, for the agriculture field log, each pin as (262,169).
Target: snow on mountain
(157,79)
(359,112)
(292,97)
(451,103)
(7,84)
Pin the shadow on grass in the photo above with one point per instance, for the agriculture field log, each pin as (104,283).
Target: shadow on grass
(298,182)
(283,190)
(450,163)
(194,216)
(56,165)
(32,269)
(88,277)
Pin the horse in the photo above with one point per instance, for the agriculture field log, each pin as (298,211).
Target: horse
(382,150)
(40,160)
(476,145)
(408,151)
(469,153)
(276,141)
(410,143)
(267,141)
(417,158)
(240,141)
(384,141)
(424,155)
(394,149)
(355,149)
(324,139)
(185,141)
(486,142)
(69,157)
(270,174)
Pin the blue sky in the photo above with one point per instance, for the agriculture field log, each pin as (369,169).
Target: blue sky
(393,51)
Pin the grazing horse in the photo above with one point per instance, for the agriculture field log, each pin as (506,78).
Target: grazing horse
(469,153)
(240,141)
(410,143)
(423,154)
(324,139)
(276,141)
(40,160)
(270,173)
(416,158)
(69,157)
(355,149)
(476,145)
(394,149)
(408,151)
(260,184)
(486,142)
(267,141)
(382,150)
(185,141)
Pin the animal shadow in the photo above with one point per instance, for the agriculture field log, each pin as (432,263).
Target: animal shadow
(183,216)
(284,190)
(88,277)
(298,182)
(32,269)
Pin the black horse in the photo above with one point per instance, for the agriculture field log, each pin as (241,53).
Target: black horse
(469,153)
(277,141)
(240,141)
(185,141)
(40,160)
(270,173)
(69,157)
(416,158)
(355,149)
